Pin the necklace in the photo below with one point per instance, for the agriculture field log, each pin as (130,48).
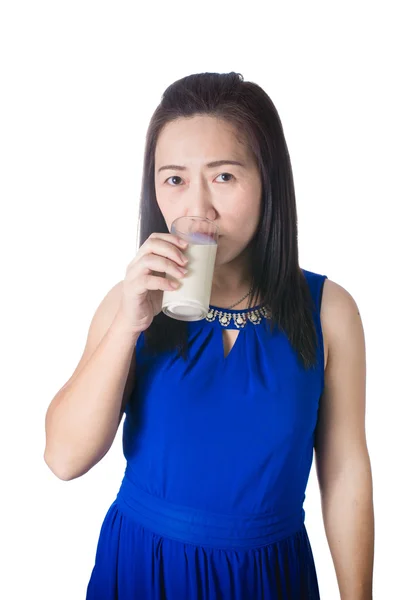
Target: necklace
(239,301)
(254,316)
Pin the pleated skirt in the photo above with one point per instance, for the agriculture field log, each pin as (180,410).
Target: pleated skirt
(135,563)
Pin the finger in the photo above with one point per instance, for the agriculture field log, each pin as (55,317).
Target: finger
(169,237)
(155,262)
(164,248)
(151,282)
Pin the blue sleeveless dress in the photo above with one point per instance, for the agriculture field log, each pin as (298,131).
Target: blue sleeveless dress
(218,454)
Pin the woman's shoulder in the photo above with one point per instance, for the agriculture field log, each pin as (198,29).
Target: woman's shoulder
(337,305)
(338,308)
(335,299)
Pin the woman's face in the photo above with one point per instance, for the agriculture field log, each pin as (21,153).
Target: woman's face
(187,185)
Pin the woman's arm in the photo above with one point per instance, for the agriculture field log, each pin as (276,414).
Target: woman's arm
(83,417)
(342,459)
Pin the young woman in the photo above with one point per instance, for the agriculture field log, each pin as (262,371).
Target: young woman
(222,415)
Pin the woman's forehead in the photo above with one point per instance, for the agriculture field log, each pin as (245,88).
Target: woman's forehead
(201,136)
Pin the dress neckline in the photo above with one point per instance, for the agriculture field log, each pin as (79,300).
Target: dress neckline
(229,317)
(235,310)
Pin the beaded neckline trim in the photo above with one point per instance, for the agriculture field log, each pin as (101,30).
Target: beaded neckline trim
(240,318)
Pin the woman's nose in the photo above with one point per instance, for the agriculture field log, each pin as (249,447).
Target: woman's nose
(200,205)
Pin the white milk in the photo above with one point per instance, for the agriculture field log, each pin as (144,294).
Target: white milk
(190,302)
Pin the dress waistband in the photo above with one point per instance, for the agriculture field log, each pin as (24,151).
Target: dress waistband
(205,528)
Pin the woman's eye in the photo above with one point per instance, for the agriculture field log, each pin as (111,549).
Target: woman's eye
(224,175)
(176,180)
(173,177)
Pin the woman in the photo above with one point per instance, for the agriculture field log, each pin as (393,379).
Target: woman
(222,417)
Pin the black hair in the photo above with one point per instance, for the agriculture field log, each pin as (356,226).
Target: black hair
(276,276)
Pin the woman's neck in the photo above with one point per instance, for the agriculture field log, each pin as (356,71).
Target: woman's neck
(231,282)
(228,296)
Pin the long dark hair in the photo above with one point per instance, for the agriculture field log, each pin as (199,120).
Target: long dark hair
(276,276)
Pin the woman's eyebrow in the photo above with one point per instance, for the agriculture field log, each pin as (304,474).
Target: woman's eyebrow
(211,165)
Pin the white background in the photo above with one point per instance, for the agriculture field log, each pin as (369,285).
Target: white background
(79,82)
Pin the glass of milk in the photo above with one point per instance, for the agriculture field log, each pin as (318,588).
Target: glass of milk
(190,302)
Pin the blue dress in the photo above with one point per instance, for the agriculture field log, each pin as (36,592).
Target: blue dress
(218,452)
